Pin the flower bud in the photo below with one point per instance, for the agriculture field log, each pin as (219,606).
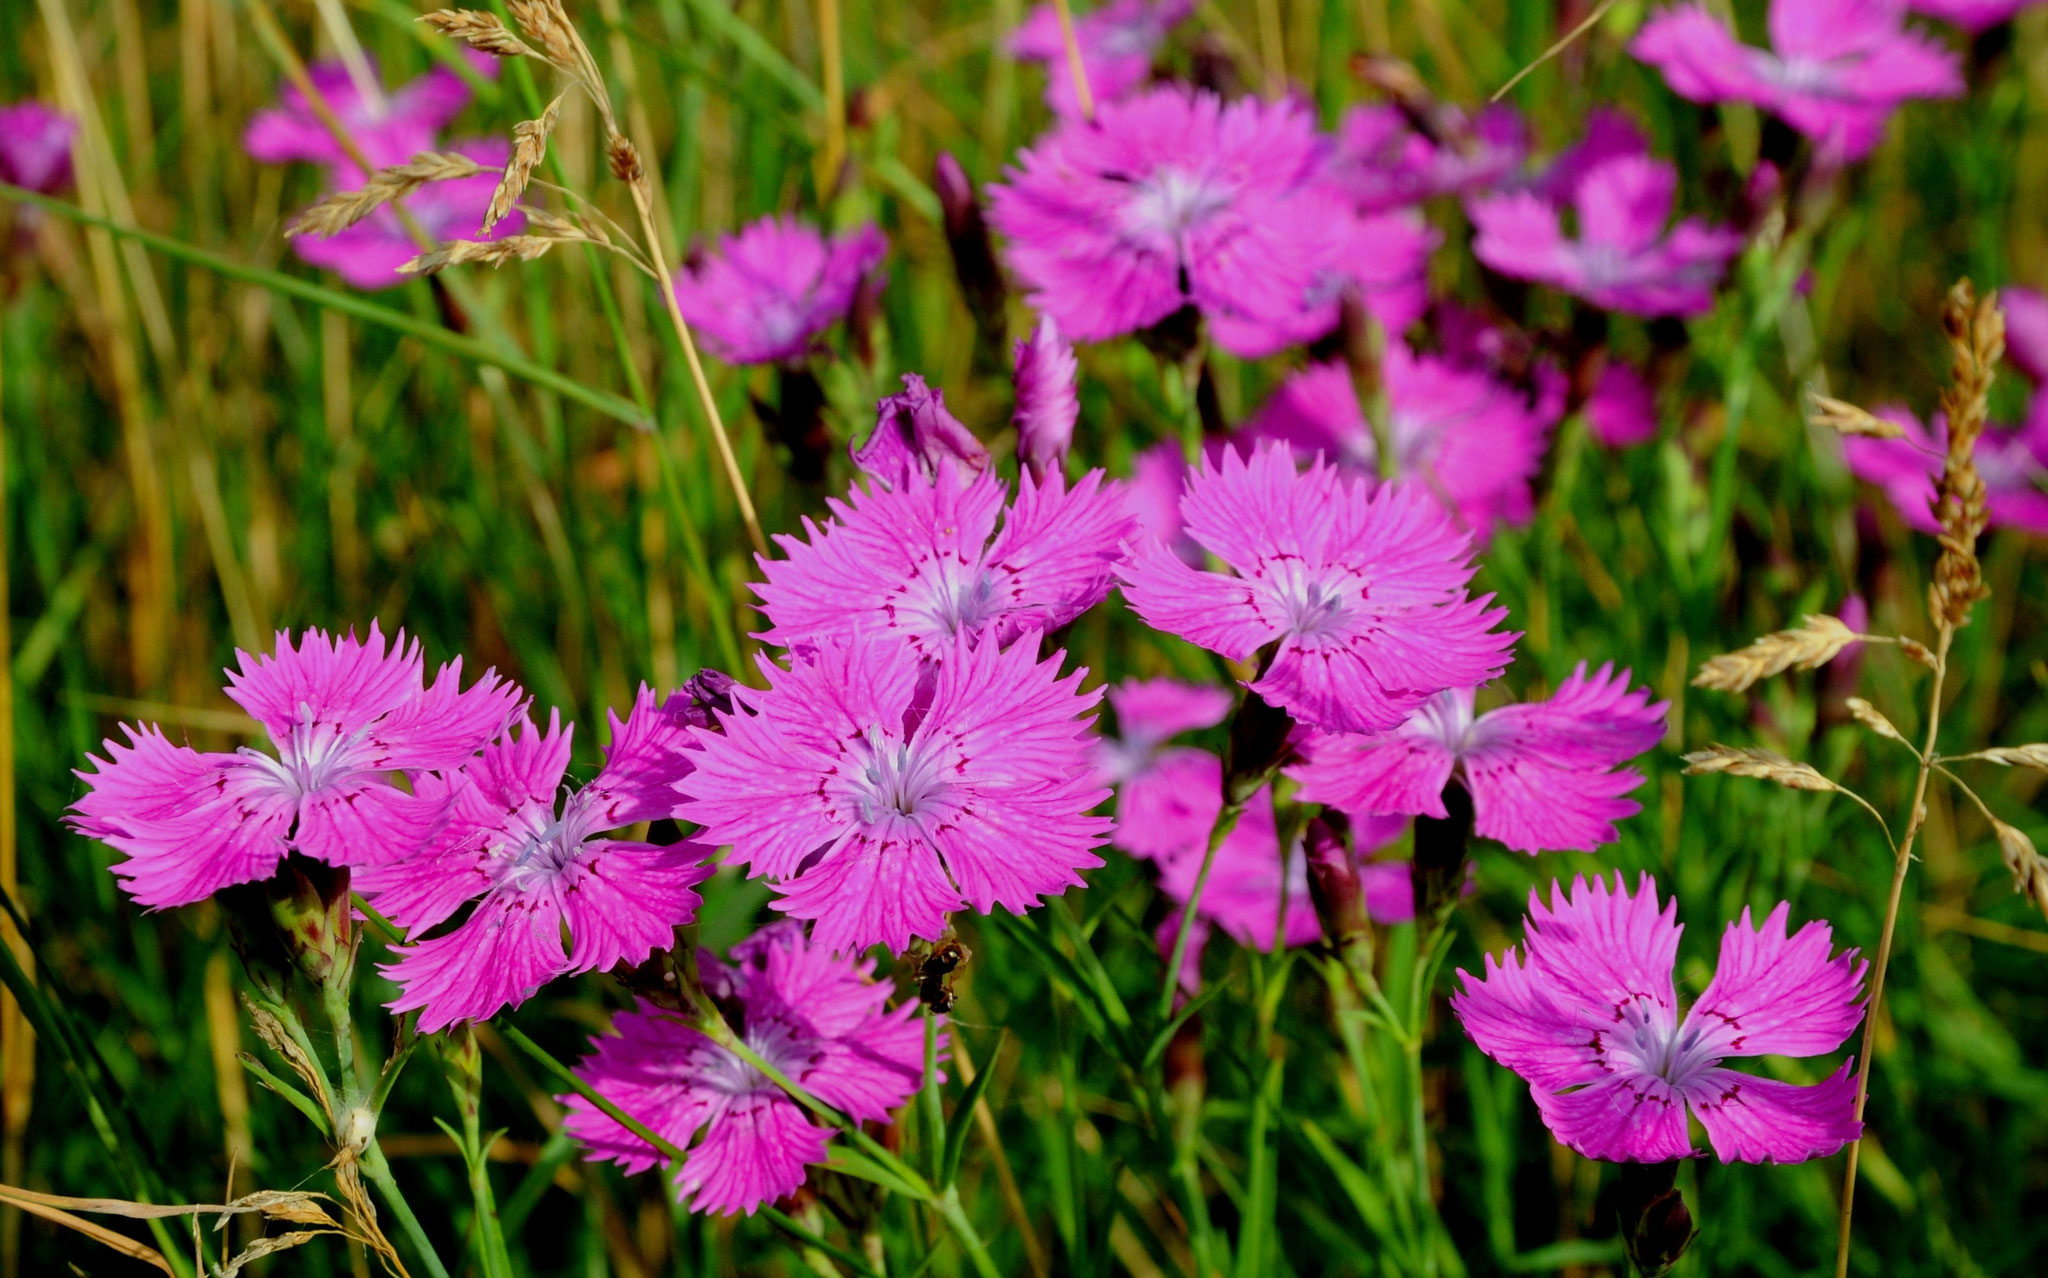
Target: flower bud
(1260,735)
(1656,1226)
(1047,404)
(915,436)
(974,254)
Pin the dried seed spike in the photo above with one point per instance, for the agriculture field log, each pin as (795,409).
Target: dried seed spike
(344,209)
(1976,335)
(529,144)
(512,248)
(1813,643)
(546,25)
(1845,418)
(1919,652)
(2025,756)
(480,31)
(624,159)
(1872,718)
(1763,765)
(2029,870)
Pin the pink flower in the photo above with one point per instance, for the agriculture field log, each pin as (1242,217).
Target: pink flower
(1836,69)
(883,795)
(388,130)
(1972,15)
(368,254)
(1622,409)
(1542,775)
(1047,402)
(1588,1014)
(2026,331)
(534,869)
(1173,199)
(2012,463)
(35,146)
(923,563)
(766,293)
(343,715)
(1361,593)
(823,1021)
(1623,259)
(915,438)
(1160,787)
(1383,162)
(1116,42)
(1610,135)
(1470,440)
(1158,477)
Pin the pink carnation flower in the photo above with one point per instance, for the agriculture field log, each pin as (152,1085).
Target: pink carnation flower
(1836,69)
(368,254)
(1623,259)
(1542,775)
(821,1020)
(388,130)
(1972,15)
(1158,785)
(1383,162)
(35,146)
(915,437)
(1048,404)
(923,563)
(343,715)
(1469,439)
(1622,410)
(768,291)
(2012,463)
(1116,41)
(1174,199)
(1588,1014)
(1361,593)
(883,795)
(535,868)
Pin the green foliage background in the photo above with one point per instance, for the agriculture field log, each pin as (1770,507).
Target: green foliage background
(195,459)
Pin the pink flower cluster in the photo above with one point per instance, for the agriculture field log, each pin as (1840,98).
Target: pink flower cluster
(387,127)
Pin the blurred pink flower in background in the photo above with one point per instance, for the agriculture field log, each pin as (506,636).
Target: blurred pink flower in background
(1836,69)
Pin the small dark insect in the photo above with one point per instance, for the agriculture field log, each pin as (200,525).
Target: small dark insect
(935,974)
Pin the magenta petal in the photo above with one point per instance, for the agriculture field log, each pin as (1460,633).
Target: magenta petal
(1758,1120)
(189,823)
(1774,995)
(505,952)
(1619,1119)
(628,900)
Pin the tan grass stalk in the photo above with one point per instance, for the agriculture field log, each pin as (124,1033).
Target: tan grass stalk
(1976,337)
(344,209)
(1082,93)
(17,1040)
(548,25)
(833,73)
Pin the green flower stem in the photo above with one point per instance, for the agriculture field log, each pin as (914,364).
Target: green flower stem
(1226,821)
(563,1075)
